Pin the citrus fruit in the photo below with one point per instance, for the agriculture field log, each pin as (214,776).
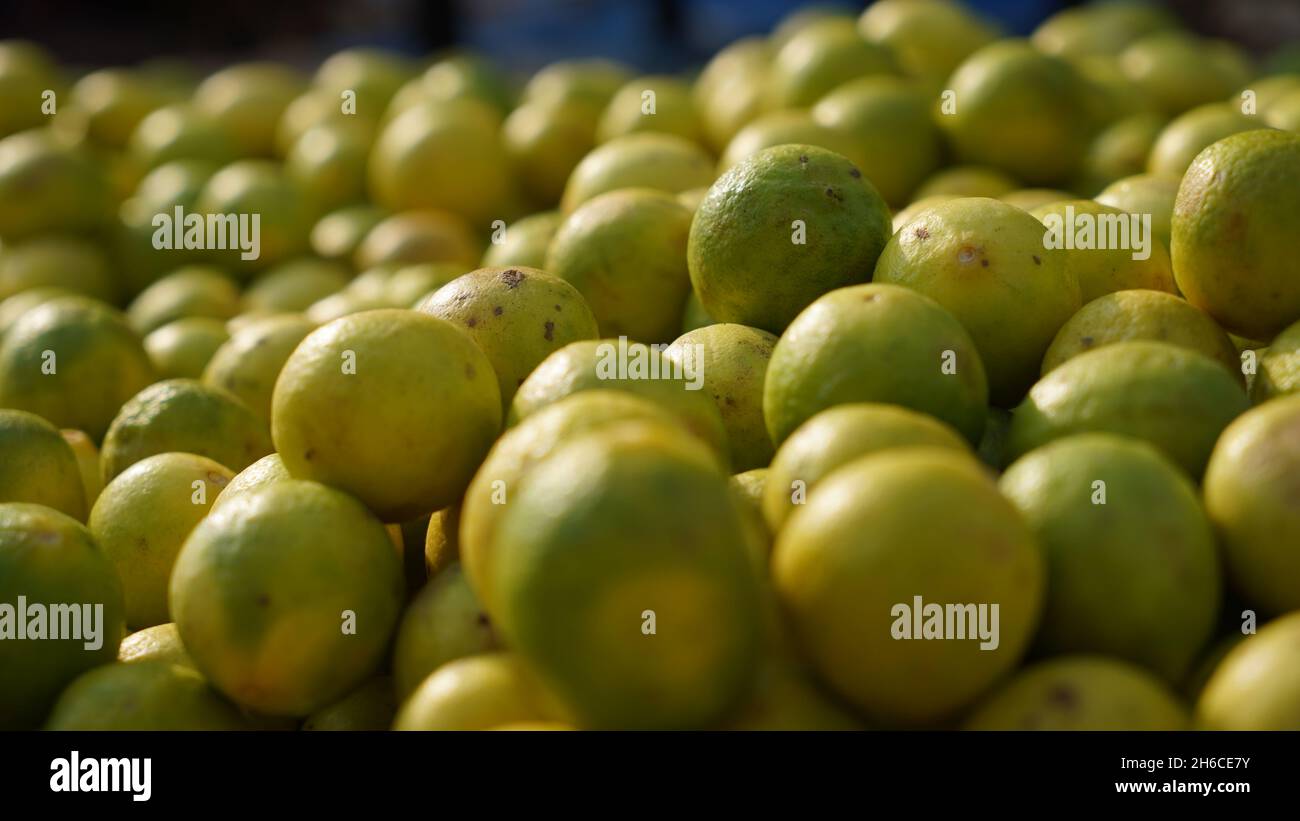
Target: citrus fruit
(1233,222)
(1099,28)
(265,471)
(929,38)
(826,358)
(1179,71)
(248,364)
(624,366)
(476,693)
(731,360)
(660,627)
(664,162)
(444,622)
(27,71)
(1026,199)
(911,528)
(370,707)
(47,186)
(1169,396)
(593,80)
(39,467)
(1285,113)
(192,291)
(363,393)
(179,132)
(408,285)
(260,187)
(50,559)
(17,306)
(73,361)
(545,140)
(1113,516)
(515,454)
(1020,111)
(656,103)
(517,316)
(142,518)
(694,316)
(1145,194)
(294,285)
(1141,314)
(1279,366)
(1192,132)
(183,347)
(966,181)
(1080,693)
(372,74)
(114,101)
(888,120)
(246,100)
(819,58)
(1249,489)
(524,241)
(328,162)
(184,415)
(625,253)
(840,435)
(145,695)
(730,90)
(986,262)
(1255,687)
(336,235)
(286,596)
(418,236)
(443,156)
(441,540)
(162,642)
(779,230)
(783,127)
(55,261)
(87,464)
(1125,253)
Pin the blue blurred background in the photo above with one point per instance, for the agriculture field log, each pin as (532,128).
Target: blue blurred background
(654,35)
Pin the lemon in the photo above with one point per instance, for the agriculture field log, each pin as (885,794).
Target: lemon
(1255,686)
(1279,366)
(625,253)
(477,693)
(779,230)
(545,140)
(444,622)
(73,361)
(183,347)
(1141,314)
(1145,194)
(1112,264)
(363,393)
(418,236)
(664,162)
(39,467)
(1193,131)
(51,559)
(249,362)
(652,103)
(1249,485)
(820,57)
(145,695)
(966,181)
(65,262)
(286,596)
(293,286)
(840,435)
(887,533)
(524,242)
(162,642)
(142,518)
(1174,398)
(987,263)
(1233,219)
(1108,564)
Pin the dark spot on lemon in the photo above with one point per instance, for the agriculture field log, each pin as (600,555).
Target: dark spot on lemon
(472,321)
(497,311)
(1037,261)
(512,277)
(550,330)
(921,233)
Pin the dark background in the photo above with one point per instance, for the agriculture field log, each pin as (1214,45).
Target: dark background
(521,35)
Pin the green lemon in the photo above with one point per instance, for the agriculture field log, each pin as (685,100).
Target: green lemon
(142,518)
(1191,133)
(1255,687)
(144,695)
(444,622)
(39,466)
(1174,398)
(479,692)
(819,58)
(286,597)
(1124,255)
(361,394)
(524,242)
(162,642)
(249,362)
(779,230)
(1145,194)
(57,261)
(664,162)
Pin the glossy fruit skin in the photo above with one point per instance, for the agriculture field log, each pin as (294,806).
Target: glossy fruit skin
(39,466)
(779,230)
(417,384)
(50,558)
(1255,686)
(1236,214)
(262,588)
(826,357)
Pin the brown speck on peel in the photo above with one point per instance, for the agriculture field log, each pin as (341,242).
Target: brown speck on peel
(803,158)
(263,600)
(1064,697)
(921,232)
(1087,341)
(835,195)
(984,263)
(309,453)
(469,371)
(550,330)
(870,297)
(497,311)
(1037,261)
(855,173)
(557,307)
(512,277)
(472,321)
